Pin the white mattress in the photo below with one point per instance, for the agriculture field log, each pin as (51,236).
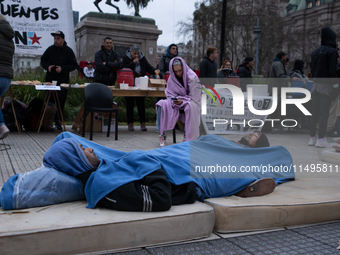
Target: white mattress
(70,228)
(304,201)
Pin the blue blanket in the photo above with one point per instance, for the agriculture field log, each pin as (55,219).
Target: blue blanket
(181,163)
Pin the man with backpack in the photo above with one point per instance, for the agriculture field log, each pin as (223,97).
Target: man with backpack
(244,71)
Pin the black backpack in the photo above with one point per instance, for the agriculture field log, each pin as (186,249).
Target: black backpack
(21,113)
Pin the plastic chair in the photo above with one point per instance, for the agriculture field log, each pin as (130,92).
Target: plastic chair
(297,84)
(98,98)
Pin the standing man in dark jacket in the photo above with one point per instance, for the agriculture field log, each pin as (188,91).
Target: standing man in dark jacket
(244,71)
(323,65)
(6,68)
(59,60)
(106,63)
(164,61)
(135,60)
(208,67)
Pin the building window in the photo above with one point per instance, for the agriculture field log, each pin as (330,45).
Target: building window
(317,3)
(28,63)
(309,5)
(22,63)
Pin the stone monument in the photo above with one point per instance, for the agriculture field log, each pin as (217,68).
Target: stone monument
(124,31)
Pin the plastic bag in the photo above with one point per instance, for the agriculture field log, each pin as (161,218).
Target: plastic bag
(41,187)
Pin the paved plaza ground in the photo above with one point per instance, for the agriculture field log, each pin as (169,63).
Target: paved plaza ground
(24,152)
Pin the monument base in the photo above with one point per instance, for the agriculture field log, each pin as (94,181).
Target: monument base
(123,29)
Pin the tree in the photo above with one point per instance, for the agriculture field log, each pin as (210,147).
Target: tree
(241,17)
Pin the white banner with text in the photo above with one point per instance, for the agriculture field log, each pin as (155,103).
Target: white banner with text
(33,21)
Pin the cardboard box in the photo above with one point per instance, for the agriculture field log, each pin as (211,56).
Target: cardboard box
(159,84)
(97,124)
(105,125)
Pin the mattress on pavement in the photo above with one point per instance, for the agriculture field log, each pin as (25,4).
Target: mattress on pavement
(330,155)
(303,201)
(70,228)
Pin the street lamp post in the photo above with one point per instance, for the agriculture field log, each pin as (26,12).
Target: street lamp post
(257,31)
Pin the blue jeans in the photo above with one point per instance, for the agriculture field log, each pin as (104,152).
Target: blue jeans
(158,118)
(4,85)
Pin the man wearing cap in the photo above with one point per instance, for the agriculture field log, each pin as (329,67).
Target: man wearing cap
(106,63)
(89,71)
(244,71)
(59,60)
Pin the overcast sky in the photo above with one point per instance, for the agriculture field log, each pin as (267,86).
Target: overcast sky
(166,13)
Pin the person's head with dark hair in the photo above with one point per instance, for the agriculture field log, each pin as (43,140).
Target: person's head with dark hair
(108,44)
(212,53)
(172,50)
(255,140)
(248,61)
(298,65)
(281,55)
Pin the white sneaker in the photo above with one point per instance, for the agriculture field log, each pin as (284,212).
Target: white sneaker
(322,143)
(3,132)
(162,140)
(312,141)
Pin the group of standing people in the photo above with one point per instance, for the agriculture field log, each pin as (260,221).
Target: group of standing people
(182,96)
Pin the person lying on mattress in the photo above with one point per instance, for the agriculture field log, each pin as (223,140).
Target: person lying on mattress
(155,180)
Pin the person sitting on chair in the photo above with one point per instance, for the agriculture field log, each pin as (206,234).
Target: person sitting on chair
(155,180)
(183,94)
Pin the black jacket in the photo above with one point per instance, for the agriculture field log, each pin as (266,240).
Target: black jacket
(208,68)
(144,64)
(324,58)
(6,49)
(244,72)
(106,74)
(59,56)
